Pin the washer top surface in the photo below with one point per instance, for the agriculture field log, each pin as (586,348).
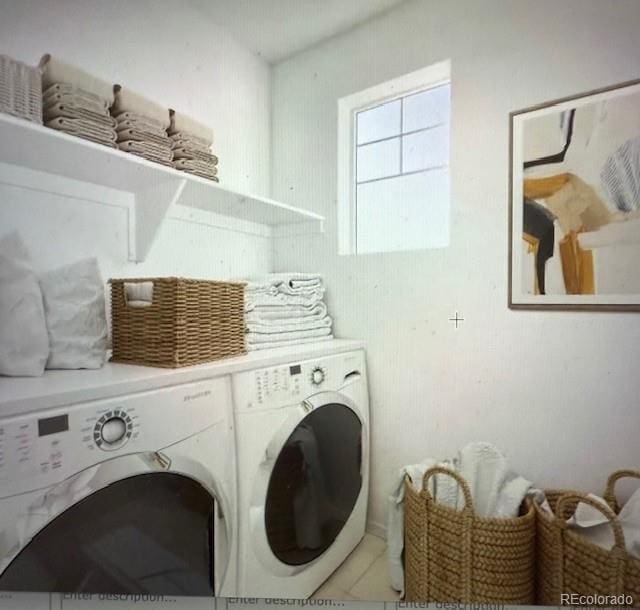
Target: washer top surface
(22,395)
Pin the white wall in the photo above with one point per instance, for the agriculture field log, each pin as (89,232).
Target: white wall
(173,54)
(557,391)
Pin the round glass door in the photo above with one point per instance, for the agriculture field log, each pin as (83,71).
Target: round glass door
(151,533)
(314,485)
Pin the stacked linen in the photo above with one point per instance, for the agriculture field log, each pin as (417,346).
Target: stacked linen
(76,103)
(191,143)
(141,126)
(286,309)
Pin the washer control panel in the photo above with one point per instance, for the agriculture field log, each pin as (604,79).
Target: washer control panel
(287,384)
(38,450)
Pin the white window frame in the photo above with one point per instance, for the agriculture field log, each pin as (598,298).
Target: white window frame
(425,78)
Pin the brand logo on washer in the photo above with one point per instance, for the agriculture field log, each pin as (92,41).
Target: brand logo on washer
(190,397)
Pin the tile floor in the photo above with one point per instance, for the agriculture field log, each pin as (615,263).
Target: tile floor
(362,576)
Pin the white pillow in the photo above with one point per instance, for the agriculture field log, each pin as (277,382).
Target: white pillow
(24,345)
(75,313)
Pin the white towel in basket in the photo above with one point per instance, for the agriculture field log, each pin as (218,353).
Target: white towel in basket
(595,527)
(496,491)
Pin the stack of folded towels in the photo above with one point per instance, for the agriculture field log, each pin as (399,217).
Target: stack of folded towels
(191,142)
(141,126)
(76,103)
(286,309)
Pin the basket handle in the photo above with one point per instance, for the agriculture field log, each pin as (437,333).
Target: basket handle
(468,500)
(603,508)
(138,294)
(614,477)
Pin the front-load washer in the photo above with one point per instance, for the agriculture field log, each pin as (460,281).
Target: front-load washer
(125,495)
(302,441)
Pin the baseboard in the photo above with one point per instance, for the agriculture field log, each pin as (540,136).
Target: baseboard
(377,529)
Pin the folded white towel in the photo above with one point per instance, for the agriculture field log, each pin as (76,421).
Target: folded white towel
(284,326)
(150,150)
(55,111)
(142,136)
(255,338)
(84,129)
(128,101)
(258,300)
(287,342)
(64,93)
(56,71)
(181,140)
(195,166)
(182,124)
(290,314)
(131,120)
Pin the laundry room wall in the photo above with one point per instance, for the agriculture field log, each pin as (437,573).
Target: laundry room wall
(173,54)
(556,391)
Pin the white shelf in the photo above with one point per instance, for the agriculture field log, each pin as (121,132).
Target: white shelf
(155,188)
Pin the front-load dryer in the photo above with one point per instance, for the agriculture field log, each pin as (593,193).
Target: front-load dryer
(302,441)
(125,495)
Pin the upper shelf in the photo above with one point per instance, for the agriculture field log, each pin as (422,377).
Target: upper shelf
(155,187)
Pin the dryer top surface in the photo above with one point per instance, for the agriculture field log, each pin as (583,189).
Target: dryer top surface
(21,395)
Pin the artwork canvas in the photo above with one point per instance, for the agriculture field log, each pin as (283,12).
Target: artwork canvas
(575,202)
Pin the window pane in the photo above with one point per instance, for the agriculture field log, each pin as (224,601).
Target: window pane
(378,160)
(379,122)
(426,108)
(425,149)
(404,213)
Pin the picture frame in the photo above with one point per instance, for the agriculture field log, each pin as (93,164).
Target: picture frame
(574,202)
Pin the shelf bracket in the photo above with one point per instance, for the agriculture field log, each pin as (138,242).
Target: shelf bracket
(151,206)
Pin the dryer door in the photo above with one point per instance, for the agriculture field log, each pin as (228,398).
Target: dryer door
(315,480)
(150,533)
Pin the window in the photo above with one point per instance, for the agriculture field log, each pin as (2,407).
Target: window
(393,164)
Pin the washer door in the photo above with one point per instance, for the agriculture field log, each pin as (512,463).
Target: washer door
(315,480)
(150,533)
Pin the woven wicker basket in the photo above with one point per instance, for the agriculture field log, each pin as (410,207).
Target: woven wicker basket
(20,89)
(456,556)
(188,322)
(567,563)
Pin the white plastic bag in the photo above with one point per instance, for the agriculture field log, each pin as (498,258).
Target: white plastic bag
(24,345)
(75,313)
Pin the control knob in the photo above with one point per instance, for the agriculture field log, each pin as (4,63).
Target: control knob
(317,375)
(113,430)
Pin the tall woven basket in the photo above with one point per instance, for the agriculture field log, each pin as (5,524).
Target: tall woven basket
(457,556)
(188,322)
(568,563)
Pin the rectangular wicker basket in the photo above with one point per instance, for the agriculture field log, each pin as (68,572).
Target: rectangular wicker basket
(20,89)
(569,563)
(188,322)
(456,556)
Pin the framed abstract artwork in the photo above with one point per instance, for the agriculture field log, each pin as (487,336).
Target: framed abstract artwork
(574,214)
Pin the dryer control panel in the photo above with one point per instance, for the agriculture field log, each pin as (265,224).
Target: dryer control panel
(40,449)
(286,384)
